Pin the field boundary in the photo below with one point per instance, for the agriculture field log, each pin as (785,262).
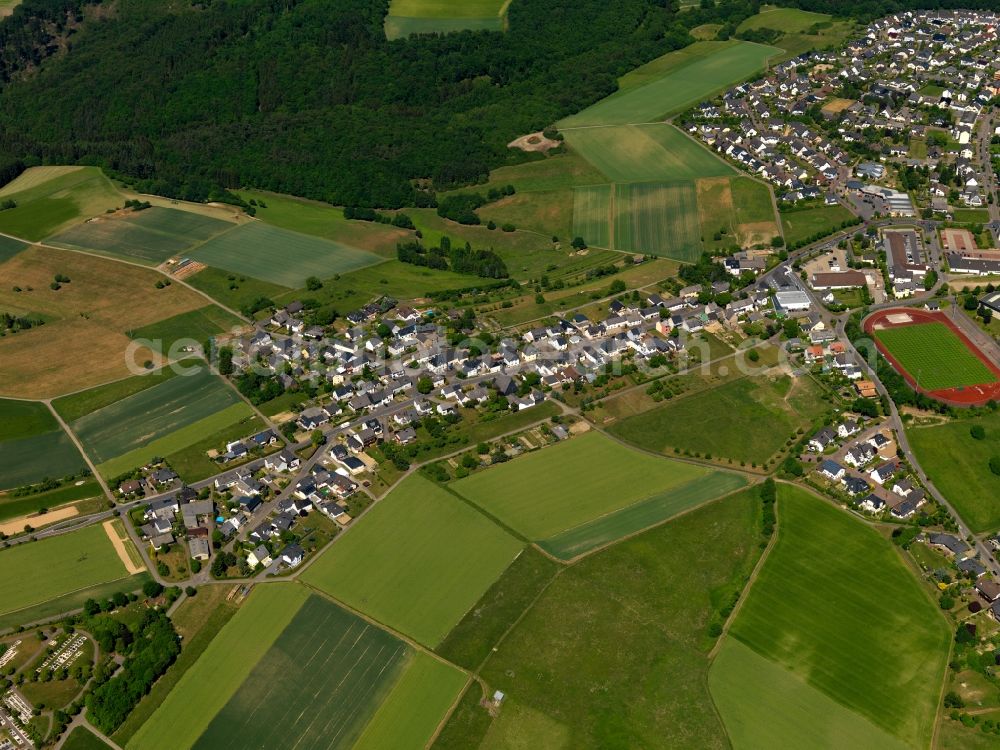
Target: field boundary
(121,548)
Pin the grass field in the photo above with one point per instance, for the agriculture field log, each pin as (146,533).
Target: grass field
(279,256)
(828,579)
(748,419)
(645,153)
(77,405)
(407,17)
(15,507)
(149,236)
(675,85)
(326,221)
(411,712)
(787,20)
(33,446)
(471,641)
(84,341)
(52,198)
(10,247)
(934,356)
(74,600)
(418,561)
(231,656)
(809,222)
(197,325)
(37,572)
(747,687)
(958,464)
(641,515)
(82,738)
(152,413)
(543,493)
(592,217)
(234,290)
(614,652)
(315,687)
(971,215)
(739,208)
(659,219)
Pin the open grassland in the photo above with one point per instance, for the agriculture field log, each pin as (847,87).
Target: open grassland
(149,236)
(280,256)
(315,687)
(37,572)
(738,210)
(418,561)
(592,217)
(82,738)
(615,651)
(747,420)
(548,491)
(958,464)
(21,419)
(195,326)
(411,712)
(16,507)
(77,405)
(10,247)
(801,31)
(472,640)
(407,17)
(73,601)
(553,173)
(787,20)
(207,686)
(645,153)
(153,413)
(658,219)
(747,687)
(641,515)
(234,290)
(85,338)
(28,460)
(52,198)
(829,579)
(549,213)
(805,223)
(934,356)
(674,85)
(326,221)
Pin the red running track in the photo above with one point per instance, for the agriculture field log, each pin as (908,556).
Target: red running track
(971,395)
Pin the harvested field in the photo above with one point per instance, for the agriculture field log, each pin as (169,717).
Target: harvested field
(279,256)
(84,340)
(124,548)
(16,526)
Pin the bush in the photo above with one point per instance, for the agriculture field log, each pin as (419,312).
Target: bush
(978,432)
(995,465)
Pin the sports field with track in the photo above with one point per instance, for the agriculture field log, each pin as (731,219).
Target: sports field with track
(934,356)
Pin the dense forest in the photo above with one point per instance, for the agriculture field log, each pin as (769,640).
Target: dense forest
(307,96)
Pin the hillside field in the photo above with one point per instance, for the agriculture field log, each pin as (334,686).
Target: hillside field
(416,562)
(645,153)
(615,651)
(748,419)
(148,236)
(829,578)
(592,216)
(280,256)
(53,198)
(84,340)
(675,85)
(33,446)
(958,464)
(658,219)
(38,572)
(571,483)
(787,20)
(407,17)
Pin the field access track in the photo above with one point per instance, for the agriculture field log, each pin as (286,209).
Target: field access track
(949,367)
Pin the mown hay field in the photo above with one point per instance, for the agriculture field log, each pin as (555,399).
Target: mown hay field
(37,572)
(52,198)
(280,256)
(149,236)
(829,578)
(418,561)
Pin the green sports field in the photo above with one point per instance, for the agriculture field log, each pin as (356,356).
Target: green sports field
(33,446)
(748,419)
(153,413)
(645,153)
(592,215)
(934,356)
(836,607)
(571,483)
(280,256)
(407,17)
(747,687)
(53,198)
(676,87)
(658,219)
(148,236)
(417,561)
(958,464)
(614,653)
(38,572)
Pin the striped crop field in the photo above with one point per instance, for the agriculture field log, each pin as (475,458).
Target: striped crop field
(592,214)
(658,218)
